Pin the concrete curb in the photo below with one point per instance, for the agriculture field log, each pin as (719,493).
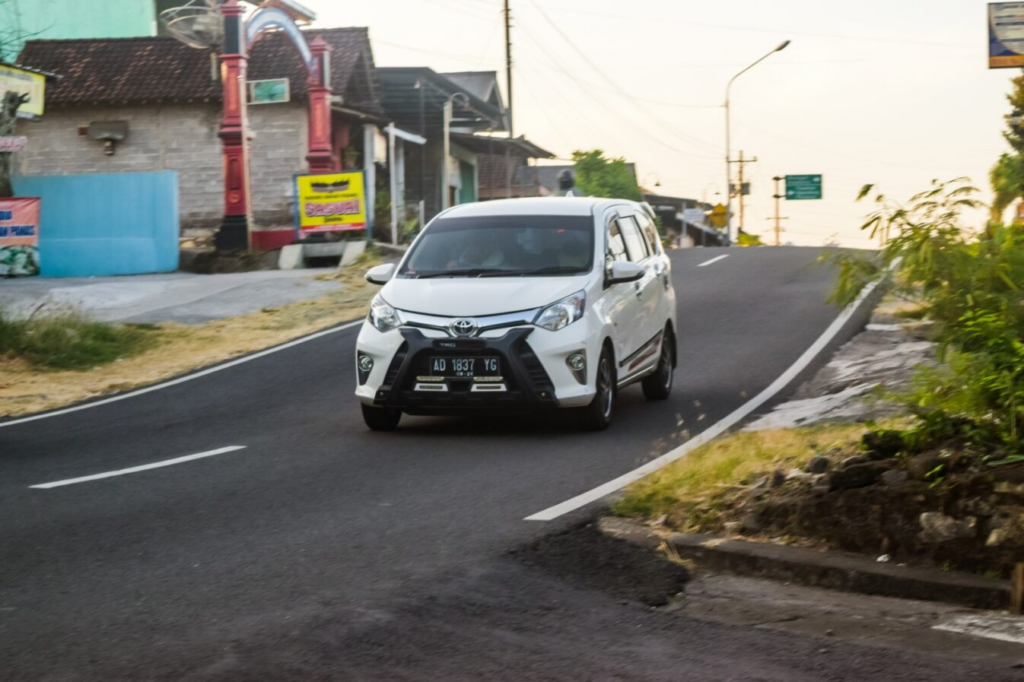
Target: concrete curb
(832,570)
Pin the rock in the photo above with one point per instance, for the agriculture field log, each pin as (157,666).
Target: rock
(883,444)
(758,488)
(778,478)
(732,527)
(996,537)
(854,461)
(820,489)
(894,476)
(817,465)
(980,506)
(659,521)
(751,524)
(798,475)
(918,467)
(937,528)
(856,476)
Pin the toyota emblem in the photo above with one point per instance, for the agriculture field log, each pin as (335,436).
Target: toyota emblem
(463,327)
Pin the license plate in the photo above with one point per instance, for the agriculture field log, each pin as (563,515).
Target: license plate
(465,368)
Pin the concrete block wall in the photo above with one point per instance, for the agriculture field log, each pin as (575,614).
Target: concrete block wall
(181,138)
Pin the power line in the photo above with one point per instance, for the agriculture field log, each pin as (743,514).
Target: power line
(755,29)
(615,86)
(458,57)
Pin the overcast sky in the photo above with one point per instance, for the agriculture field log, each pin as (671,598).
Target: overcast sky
(894,92)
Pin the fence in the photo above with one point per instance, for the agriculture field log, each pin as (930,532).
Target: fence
(105,224)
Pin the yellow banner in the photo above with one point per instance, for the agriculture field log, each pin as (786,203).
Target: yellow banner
(331,202)
(24,82)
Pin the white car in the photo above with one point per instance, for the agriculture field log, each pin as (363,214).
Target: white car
(520,304)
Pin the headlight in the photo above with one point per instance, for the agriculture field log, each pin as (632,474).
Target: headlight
(562,313)
(383,316)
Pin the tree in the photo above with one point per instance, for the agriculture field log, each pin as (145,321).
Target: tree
(9,106)
(597,176)
(1007,176)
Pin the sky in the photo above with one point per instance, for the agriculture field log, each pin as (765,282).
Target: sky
(890,92)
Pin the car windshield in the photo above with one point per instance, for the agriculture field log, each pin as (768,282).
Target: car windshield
(503,246)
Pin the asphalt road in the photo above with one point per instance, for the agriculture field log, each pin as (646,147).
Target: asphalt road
(324,551)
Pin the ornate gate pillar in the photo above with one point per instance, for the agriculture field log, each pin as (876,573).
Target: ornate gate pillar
(321,156)
(234,230)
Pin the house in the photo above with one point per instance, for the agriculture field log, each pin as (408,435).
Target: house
(678,220)
(478,164)
(167,96)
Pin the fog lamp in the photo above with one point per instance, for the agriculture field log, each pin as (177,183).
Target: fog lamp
(577,363)
(365,364)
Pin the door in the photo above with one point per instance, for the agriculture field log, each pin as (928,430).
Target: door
(648,290)
(624,307)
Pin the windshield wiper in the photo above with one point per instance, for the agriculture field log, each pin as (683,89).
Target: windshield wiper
(469,272)
(551,270)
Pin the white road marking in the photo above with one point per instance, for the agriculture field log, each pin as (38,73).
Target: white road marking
(181,380)
(1003,628)
(713,260)
(143,467)
(716,429)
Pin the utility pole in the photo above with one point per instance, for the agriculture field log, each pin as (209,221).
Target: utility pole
(778,218)
(508,65)
(509,170)
(739,188)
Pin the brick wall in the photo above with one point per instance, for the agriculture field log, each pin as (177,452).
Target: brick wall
(181,138)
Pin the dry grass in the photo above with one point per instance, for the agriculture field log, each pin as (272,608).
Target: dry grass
(697,487)
(176,349)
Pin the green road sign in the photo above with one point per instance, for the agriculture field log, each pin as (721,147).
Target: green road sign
(800,187)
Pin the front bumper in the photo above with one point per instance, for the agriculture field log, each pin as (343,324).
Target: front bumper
(524,381)
(534,374)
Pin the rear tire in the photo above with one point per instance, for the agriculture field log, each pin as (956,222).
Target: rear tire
(598,415)
(381,418)
(658,386)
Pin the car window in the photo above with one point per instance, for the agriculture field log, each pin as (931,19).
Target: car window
(636,245)
(650,232)
(496,246)
(616,243)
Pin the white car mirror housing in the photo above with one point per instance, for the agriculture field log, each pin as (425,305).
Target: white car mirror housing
(380,274)
(623,271)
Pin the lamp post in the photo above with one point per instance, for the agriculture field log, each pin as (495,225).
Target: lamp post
(657,179)
(728,140)
(445,179)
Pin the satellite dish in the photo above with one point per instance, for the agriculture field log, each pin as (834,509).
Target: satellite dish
(198,24)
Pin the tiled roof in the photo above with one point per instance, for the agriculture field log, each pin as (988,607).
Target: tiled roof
(150,70)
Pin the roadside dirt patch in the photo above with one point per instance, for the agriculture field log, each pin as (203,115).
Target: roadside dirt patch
(586,556)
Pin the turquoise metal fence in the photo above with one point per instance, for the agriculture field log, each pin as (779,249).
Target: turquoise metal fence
(105,224)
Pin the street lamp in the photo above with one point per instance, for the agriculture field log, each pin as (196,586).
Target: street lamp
(445,179)
(657,179)
(728,140)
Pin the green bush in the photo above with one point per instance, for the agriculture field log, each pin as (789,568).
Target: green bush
(969,285)
(71,342)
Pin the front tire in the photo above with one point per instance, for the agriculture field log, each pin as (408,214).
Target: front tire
(658,386)
(381,418)
(598,415)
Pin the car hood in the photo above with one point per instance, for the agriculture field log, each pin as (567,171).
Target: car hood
(475,297)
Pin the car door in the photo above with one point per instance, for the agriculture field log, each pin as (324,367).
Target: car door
(623,306)
(662,303)
(648,292)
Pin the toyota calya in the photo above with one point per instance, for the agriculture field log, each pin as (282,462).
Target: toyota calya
(520,304)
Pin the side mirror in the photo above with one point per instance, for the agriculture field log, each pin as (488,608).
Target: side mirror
(380,274)
(622,271)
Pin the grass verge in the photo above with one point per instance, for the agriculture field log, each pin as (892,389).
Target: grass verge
(151,353)
(693,491)
(71,342)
